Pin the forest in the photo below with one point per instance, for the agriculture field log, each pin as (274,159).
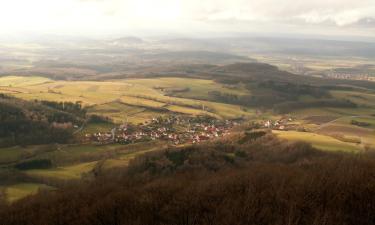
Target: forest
(26,123)
(252,178)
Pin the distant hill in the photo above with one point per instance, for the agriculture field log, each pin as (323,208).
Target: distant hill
(262,72)
(197,57)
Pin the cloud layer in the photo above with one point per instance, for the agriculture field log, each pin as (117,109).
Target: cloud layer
(185,15)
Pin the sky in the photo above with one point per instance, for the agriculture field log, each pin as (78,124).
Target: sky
(117,17)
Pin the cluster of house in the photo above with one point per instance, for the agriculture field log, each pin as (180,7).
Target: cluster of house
(351,76)
(285,123)
(174,129)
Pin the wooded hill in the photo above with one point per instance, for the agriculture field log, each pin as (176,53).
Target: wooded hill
(38,122)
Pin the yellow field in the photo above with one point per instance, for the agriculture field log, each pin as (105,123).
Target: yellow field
(15,81)
(21,190)
(137,96)
(319,141)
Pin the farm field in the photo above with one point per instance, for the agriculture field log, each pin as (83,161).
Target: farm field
(135,100)
(319,141)
(337,123)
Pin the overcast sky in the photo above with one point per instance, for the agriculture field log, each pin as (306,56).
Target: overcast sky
(319,17)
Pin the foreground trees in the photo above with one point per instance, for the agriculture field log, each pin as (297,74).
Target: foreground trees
(260,181)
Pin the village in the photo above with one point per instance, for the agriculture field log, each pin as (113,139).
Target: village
(351,76)
(174,129)
(179,130)
(284,123)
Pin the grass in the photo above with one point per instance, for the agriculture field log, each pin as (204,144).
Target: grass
(125,158)
(8,155)
(65,173)
(18,191)
(319,141)
(97,127)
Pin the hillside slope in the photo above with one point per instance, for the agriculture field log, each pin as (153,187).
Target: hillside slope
(23,122)
(250,179)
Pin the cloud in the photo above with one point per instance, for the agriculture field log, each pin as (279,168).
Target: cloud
(184,15)
(340,12)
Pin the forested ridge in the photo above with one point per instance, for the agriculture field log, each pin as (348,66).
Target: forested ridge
(34,122)
(248,178)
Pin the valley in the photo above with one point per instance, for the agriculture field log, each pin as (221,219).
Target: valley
(139,101)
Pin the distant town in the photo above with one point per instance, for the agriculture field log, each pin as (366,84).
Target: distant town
(350,76)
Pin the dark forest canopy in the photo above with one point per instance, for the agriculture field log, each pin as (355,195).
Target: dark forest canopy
(24,122)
